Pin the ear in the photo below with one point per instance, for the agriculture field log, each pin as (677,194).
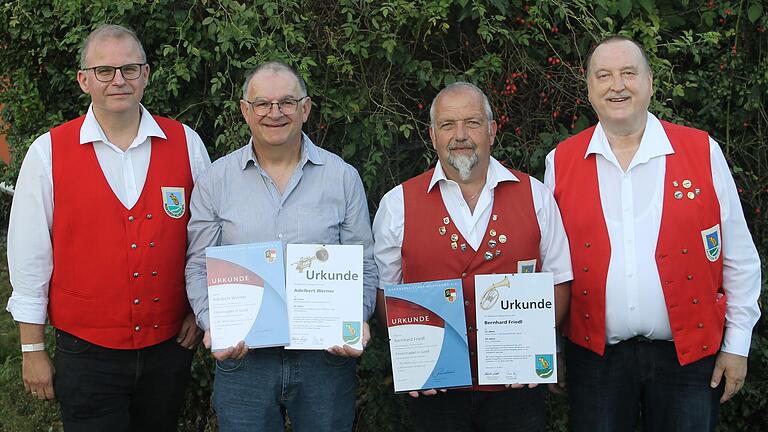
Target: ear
(244,109)
(492,128)
(83,80)
(145,74)
(432,137)
(306,107)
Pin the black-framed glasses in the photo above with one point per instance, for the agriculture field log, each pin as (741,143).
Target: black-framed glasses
(129,71)
(287,106)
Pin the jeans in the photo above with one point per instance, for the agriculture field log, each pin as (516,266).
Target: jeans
(316,390)
(519,410)
(102,389)
(640,379)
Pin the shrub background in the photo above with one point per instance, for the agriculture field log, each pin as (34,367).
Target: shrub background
(372,68)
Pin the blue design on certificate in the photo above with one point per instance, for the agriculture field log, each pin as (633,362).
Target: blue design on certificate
(428,335)
(246,295)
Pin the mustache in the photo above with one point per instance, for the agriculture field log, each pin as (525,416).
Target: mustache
(453,145)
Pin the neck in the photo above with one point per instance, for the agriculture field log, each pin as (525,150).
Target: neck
(277,156)
(120,128)
(624,144)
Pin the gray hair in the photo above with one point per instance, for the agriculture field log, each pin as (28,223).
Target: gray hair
(274,66)
(453,87)
(112,31)
(618,38)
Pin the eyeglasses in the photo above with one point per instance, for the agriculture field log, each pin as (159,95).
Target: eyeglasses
(129,71)
(288,106)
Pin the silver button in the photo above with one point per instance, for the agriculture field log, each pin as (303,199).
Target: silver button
(136,274)
(156,326)
(156,299)
(137,328)
(151,244)
(133,246)
(149,216)
(154,273)
(136,301)
(131,218)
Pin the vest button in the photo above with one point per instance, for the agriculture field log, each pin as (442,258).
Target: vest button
(136,274)
(136,301)
(466,302)
(137,328)
(156,299)
(700,325)
(586,316)
(149,216)
(133,246)
(584,292)
(131,218)
(704,348)
(685,251)
(585,269)
(690,277)
(472,353)
(695,301)
(151,244)
(586,338)
(586,245)
(154,273)
(463,275)
(470,328)
(156,326)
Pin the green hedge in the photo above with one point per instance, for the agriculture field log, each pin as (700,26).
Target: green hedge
(372,68)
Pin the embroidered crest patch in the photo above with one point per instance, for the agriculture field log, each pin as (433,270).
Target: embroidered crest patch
(173,201)
(528,266)
(450,295)
(712,242)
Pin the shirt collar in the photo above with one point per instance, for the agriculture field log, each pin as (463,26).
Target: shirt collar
(309,153)
(91,130)
(654,143)
(496,173)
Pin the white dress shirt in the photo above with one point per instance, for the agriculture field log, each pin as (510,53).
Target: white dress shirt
(30,256)
(632,206)
(389,221)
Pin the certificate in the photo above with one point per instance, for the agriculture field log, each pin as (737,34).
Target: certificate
(428,335)
(515,328)
(246,295)
(324,284)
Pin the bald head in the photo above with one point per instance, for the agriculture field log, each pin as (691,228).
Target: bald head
(455,87)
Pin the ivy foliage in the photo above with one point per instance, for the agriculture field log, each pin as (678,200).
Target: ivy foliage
(372,68)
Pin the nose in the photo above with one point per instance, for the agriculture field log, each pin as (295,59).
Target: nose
(119,79)
(461,131)
(617,83)
(274,111)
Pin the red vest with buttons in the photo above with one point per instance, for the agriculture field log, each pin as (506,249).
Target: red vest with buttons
(118,274)
(692,284)
(428,255)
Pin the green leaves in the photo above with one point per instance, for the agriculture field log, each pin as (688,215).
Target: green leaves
(755,11)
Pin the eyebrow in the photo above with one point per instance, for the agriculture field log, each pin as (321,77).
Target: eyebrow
(287,96)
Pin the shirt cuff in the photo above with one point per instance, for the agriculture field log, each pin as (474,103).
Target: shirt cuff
(28,310)
(563,277)
(736,341)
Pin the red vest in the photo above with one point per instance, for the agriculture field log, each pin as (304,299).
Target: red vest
(692,284)
(429,255)
(118,274)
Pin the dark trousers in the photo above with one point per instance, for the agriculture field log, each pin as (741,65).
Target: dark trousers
(519,410)
(640,379)
(101,389)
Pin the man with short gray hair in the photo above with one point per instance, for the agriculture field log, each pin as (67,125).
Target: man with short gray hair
(470,215)
(280,187)
(104,261)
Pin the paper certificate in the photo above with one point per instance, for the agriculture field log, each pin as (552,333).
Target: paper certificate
(428,335)
(324,284)
(515,328)
(246,295)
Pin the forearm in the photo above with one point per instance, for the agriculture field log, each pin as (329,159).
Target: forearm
(31,333)
(562,302)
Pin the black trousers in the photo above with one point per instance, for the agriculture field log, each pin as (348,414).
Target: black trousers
(101,389)
(519,410)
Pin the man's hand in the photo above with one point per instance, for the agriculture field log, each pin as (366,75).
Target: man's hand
(734,367)
(348,351)
(37,373)
(519,386)
(559,387)
(430,392)
(236,352)
(189,335)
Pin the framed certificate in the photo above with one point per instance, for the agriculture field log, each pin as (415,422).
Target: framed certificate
(324,285)
(246,295)
(515,328)
(428,335)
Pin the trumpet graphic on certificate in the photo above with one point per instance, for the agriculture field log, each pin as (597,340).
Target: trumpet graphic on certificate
(491,294)
(321,254)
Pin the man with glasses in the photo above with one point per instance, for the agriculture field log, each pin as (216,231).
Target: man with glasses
(279,187)
(96,244)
